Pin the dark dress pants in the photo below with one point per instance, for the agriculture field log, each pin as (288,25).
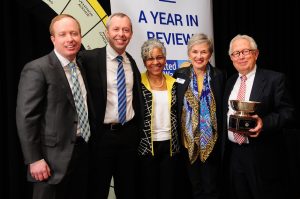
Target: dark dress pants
(246,178)
(74,183)
(204,177)
(158,172)
(114,154)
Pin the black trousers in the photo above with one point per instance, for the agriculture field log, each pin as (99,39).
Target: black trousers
(204,177)
(114,154)
(74,183)
(246,181)
(158,173)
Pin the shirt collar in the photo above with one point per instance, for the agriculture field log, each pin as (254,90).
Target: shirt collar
(249,74)
(112,54)
(63,61)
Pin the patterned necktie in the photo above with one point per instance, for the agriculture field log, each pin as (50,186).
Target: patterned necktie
(121,83)
(240,138)
(79,103)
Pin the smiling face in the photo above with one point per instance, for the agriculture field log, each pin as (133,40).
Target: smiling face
(156,62)
(66,37)
(199,55)
(119,33)
(244,63)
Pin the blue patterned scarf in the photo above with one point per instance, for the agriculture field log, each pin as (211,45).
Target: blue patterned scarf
(199,118)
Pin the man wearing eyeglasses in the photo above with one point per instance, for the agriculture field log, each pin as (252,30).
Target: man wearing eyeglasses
(254,159)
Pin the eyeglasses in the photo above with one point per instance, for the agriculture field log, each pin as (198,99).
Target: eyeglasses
(158,58)
(245,52)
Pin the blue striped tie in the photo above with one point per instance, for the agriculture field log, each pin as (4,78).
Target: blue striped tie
(121,91)
(79,103)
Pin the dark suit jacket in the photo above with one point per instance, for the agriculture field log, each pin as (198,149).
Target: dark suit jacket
(276,111)
(96,71)
(217,86)
(46,115)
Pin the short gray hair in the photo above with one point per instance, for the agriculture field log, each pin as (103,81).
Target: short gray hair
(149,45)
(200,38)
(117,14)
(252,42)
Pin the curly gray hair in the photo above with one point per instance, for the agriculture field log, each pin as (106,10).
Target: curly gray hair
(149,45)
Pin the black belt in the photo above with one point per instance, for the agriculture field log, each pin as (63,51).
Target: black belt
(118,126)
(234,144)
(79,140)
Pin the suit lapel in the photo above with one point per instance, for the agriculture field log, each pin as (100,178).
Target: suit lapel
(83,74)
(62,78)
(258,85)
(136,86)
(212,81)
(82,71)
(102,71)
(134,69)
(186,77)
(229,86)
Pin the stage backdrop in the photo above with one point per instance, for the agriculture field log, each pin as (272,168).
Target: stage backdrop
(171,21)
(91,16)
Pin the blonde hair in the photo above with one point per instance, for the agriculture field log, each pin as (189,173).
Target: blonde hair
(59,17)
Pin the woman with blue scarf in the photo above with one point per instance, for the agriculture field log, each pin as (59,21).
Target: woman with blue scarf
(199,93)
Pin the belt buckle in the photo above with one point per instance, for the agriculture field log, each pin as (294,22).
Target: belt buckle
(114,127)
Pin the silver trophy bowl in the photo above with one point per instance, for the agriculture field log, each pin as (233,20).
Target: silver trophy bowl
(241,121)
(244,107)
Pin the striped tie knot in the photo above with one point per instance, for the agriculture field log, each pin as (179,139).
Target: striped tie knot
(119,58)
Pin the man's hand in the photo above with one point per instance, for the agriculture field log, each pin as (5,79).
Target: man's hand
(257,129)
(40,170)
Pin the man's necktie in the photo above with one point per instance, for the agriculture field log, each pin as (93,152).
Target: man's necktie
(79,103)
(121,83)
(240,138)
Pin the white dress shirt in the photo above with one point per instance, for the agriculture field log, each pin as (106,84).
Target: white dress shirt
(234,94)
(111,112)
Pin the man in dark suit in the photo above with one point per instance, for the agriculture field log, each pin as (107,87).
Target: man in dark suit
(114,146)
(50,127)
(256,159)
